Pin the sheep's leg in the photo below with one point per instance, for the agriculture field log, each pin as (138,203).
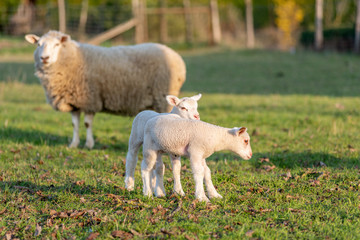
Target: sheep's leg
(198,173)
(88,120)
(147,165)
(131,161)
(75,118)
(176,166)
(208,183)
(157,178)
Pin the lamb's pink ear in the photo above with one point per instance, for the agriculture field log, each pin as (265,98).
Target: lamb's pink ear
(242,130)
(32,38)
(172,100)
(196,97)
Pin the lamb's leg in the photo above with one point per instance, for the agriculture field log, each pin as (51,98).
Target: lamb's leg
(75,118)
(198,173)
(88,120)
(147,165)
(208,183)
(157,178)
(131,161)
(176,165)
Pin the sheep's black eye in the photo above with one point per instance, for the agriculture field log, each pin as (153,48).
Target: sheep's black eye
(246,141)
(184,108)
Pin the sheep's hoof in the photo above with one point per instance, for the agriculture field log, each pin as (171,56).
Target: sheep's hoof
(89,145)
(129,184)
(74,145)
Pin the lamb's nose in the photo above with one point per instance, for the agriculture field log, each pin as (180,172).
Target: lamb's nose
(197,117)
(250,154)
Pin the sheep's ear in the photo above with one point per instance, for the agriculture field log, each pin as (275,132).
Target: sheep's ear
(196,97)
(64,38)
(242,130)
(32,38)
(172,100)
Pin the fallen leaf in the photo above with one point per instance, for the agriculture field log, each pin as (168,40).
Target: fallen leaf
(264,159)
(249,233)
(38,230)
(93,236)
(80,183)
(228,228)
(121,234)
(268,168)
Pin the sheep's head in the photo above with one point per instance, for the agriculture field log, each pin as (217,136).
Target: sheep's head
(48,46)
(185,107)
(242,142)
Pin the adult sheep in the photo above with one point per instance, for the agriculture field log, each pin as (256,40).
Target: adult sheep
(122,80)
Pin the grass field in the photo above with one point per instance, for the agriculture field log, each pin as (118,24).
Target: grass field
(303,182)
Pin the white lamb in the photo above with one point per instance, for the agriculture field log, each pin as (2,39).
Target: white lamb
(186,108)
(195,139)
(123,80)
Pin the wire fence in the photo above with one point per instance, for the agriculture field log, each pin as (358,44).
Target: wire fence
(338,25)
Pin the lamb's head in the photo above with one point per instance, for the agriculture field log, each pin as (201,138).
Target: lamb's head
(48,46)
(185,107)
(241,144)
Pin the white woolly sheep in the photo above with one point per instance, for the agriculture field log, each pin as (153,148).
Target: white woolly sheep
(123,80)
(195,139)
(186,108)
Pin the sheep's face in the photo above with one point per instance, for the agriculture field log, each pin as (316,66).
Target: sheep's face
(185,107)
(242,143)
(48,46)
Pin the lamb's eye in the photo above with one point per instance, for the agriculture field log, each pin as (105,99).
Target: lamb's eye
(58,44)
(246,141)
(184,108)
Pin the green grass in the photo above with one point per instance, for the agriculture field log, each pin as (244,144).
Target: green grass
(303,182)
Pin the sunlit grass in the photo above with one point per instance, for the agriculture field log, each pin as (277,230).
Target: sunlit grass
(302,182)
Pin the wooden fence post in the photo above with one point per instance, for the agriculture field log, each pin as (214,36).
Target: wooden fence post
(250,36)
(319,38)
(215,22)
(62,16)
(188,21)
(357,28)
(163,22)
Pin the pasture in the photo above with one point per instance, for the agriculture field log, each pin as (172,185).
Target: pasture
(303,182)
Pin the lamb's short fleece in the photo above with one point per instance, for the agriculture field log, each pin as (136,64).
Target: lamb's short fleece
(195,139)
(123,80)
(185,108)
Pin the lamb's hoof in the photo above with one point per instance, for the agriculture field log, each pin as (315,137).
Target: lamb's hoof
(129,185)
(160,193)
(215,196)
(180,192)
(203,199)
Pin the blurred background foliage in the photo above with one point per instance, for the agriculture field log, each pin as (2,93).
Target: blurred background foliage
(278,23)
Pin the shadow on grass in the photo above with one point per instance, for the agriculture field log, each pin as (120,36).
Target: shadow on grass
(291,160)
(39,138)
(42,191)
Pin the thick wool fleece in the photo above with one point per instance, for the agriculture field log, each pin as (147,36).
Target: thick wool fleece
(120,80)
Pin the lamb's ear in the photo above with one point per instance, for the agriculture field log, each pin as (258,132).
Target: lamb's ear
(172,100)
(32,38)
(196,97)
(242,130)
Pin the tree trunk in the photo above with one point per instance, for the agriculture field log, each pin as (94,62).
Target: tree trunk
(250,37)
(62,16)
(83,18)
(22,21)
(357,28)
(319,38)
(215,22)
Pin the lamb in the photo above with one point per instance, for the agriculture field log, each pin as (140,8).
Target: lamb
(185,108)
(124,80)
(195,139)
